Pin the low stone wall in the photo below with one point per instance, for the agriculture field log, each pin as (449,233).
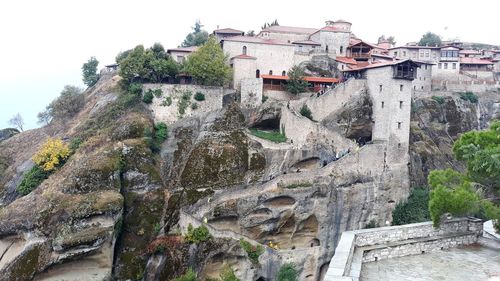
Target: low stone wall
(464,86)
(356,247)
(166,107)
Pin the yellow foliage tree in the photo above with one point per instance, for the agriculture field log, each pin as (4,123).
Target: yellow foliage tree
(52,153)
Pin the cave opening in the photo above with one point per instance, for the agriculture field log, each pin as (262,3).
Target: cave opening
(272,124)
(363,140)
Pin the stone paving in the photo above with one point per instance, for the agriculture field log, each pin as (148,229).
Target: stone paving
(457,264)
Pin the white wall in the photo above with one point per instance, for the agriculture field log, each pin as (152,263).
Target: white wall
(424,78)
(334,40)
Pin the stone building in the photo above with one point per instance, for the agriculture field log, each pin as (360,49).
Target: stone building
(180,54)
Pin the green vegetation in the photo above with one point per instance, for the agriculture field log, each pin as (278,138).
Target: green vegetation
(75,143)
(148,97)
(197,235)
(264,98)
(32,179)
(253,252)
(184,102)
(166,102)
(299,184)
(460,194)
(414,209)
(190,275)
(371,224)
(273,136)
(438,99)
(469,96)
(267,24)
(306,112)
(296,83)
(208,65)
(194,106)
(160,135)
(199,96)
(157,227)
(161,131)
(389,39)
(227,274)
(196,38)
(89,72)
(287,272)
(430,39)
(69,103)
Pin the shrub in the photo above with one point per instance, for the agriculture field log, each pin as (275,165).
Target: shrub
(75,143)
(184,102)
(273,136)
(148,97)
(194,106)
(135,89)
(439,99)
(296,84)
(190,275)
(287,272)
(157,227)
(199,96)
(299,184)
(158,93)
(166,102)
(371,224)
(414,209)
(32,179)
(253,252)
(227,274)
(68,104)
(470,96)
(52,154)
(264,98)
(306,112)
(161,131)
(160,135)
(197,235)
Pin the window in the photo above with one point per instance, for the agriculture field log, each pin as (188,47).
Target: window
(399,125)
(342,67)
(395,54)
(414,87)
(404,53)
(427,54)
(426,67)
(439,65)
(443,54)
(382,104)
(421,87)
(400,104)
(454,66)
(244,50)
(380,88)
(257,73)
(341,49)
(283,73)
(326,48)
(421,54)
(270,72)
(445,65)
(434,55)
(400,88)
(455,53)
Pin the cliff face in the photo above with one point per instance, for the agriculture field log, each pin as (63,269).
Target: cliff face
(435,126)
(118,207)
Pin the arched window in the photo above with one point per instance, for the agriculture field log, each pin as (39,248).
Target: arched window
(341,49)
(257,73)
(270,72)
(283,73)
(244,50)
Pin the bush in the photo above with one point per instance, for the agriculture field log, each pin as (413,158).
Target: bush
(197,235)
(287,272)
(166,102)
(371,224)
(75,144)
(227,274)
(253,252)
(414,209)
(306,112)
(135,89)
(32,180)
(299,184)
(439,99)
(190,275)
(273,136)
(148,97)
(470,96)
(199,96)
(160,135)
(68,104)
(158,93)
(296,84)
(52,154)
(264,98)
(194,106)
(184,102)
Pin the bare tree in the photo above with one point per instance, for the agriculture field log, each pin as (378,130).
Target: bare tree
(17,121)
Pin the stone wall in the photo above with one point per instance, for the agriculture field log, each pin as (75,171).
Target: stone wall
(251,92)
(366,245)
(166,108)
(464,86)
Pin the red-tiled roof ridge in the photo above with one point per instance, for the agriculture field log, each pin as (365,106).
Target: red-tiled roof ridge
(228,30)
(307,78)
(346,60)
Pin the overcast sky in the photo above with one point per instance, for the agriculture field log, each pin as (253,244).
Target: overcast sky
(44,43)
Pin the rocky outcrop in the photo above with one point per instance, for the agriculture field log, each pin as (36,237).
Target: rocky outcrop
(7,133)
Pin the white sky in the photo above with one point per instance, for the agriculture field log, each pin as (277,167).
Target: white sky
(45,42)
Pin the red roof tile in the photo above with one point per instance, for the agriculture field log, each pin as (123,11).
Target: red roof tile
(307,78)
(474,61)
(346,60)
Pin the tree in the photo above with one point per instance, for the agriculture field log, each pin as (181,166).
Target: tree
(208,65)
(89,71)
(296,83)
(287,272)
(44,117)
(17,121)
(391,40)
(69,103)
(414,209)
(430,39)
(266,25)
(250,33)
(196,38)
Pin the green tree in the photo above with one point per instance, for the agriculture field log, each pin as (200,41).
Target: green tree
(67,105)
(414,209)
(208,65)
(89,71)
(389,39)
(287,272)
(132,67)
(196,38)
(430,39)
(267,24)
(296,83)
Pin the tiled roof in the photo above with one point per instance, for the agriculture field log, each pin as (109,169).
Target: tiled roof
(415,47)
(307,42)
(183,49)
(346,60)
(290,29)
(474,61)
(472,52)
(307,78)
(258,40)
(243,57)
(228,30)
(381,64)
